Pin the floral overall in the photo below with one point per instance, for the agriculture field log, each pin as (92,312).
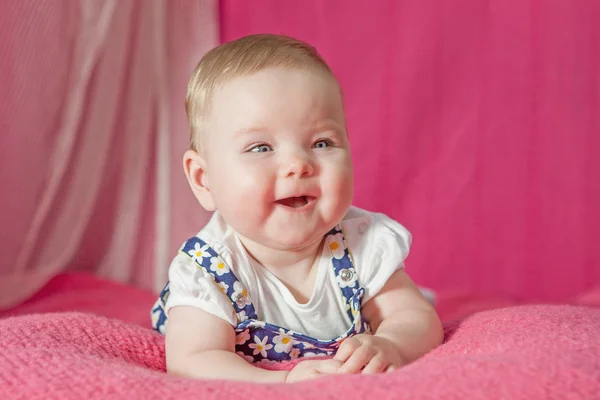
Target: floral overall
(256,340)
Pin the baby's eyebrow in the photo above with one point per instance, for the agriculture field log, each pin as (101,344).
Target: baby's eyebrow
(249,131)
(328,126)
(320,126)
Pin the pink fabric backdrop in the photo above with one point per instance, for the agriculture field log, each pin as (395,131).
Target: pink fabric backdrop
(92,129)
(474,123)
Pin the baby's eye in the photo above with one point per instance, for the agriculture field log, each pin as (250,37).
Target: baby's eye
(322,144)
(261,148)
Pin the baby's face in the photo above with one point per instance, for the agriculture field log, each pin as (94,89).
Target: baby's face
(278,159)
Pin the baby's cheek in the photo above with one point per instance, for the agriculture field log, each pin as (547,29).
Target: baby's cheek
(341,188)
(244,185)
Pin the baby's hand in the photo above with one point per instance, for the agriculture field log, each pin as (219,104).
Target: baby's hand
(374,353)
(311,369)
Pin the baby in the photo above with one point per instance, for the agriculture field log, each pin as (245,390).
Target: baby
(286,268)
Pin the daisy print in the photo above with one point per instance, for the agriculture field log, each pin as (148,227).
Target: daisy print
(308,346)
(218,266)
(336,245)
(260,346)
(242,337)
(155,317)
(357,317)
(294,353)
(223,286)
(256,324)
(241,316)
(283,342)
(239,292)
(198,253)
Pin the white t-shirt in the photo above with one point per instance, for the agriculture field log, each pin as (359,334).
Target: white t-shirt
(378,246)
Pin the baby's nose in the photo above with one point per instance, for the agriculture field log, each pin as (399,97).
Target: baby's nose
(299,166)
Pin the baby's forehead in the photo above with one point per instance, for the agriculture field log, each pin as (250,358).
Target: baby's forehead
(254,110)
(244,56)
(282,76)
(288,79)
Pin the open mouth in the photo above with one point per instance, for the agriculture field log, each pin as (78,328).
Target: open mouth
(296,202)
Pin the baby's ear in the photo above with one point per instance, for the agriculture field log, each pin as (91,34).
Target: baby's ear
(194,166)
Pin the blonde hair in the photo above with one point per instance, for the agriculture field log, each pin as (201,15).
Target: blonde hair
(244,56)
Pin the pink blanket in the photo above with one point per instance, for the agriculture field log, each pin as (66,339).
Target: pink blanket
(526,352)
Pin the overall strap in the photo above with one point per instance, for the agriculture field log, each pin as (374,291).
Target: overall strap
(343,267)
(208,259)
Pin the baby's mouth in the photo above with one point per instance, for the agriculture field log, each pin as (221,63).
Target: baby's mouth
(295,202)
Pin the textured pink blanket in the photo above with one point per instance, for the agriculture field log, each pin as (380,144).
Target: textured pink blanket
(527,352)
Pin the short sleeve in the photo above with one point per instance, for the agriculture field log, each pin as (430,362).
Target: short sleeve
(379,245)
(190,285)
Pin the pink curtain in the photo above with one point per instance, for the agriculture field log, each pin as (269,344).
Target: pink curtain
(474,123)
(92,129)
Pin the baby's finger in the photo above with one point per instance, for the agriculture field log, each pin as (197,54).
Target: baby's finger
(359,359)
(346,349)
(376,365)
(329,366)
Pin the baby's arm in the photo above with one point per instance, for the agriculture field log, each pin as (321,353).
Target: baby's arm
(405,327)
(200,345)
(401,314)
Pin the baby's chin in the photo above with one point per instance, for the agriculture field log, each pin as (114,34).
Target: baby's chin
(290,241)
(283,234)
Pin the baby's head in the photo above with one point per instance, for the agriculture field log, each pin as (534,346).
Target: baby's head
(269,147)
